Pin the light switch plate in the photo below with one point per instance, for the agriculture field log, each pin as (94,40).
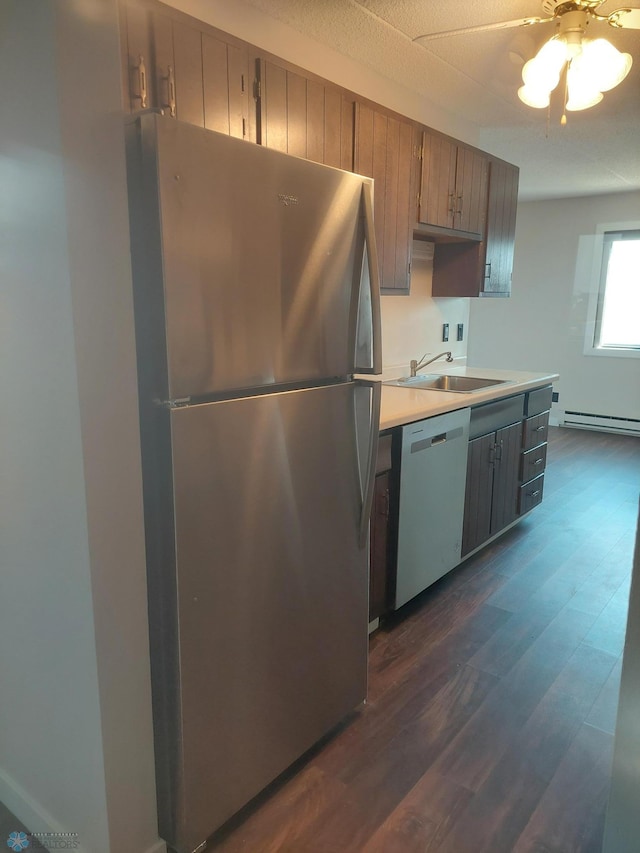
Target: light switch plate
(445,331)
(460,331)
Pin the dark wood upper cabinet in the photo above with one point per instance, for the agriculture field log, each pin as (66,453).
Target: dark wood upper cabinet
(192,72)
(470,268)
(136,54)
(501,227)
(226,82)
(303,116)
(453,187)
(466,200)
(385,151)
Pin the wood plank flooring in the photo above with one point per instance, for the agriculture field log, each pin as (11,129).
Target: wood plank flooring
(492,696)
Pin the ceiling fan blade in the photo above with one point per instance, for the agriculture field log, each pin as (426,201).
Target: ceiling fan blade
(502,25)
(626,18)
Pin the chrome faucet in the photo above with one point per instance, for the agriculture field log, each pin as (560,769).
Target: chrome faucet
(415,366)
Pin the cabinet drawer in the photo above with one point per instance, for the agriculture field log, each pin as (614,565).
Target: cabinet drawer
(530,494)
(489,417)
(535,431)
(533,463)
(538,401)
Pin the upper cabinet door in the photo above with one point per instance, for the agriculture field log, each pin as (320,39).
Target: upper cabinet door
(453,186)
(189,70)
(436,202)
(226,83)
(501,226)
(471,190)
(304,117)
(137,57)
(384,150)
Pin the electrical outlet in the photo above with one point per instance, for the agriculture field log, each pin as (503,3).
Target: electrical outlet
(555,396)
(445,331)
(460,331)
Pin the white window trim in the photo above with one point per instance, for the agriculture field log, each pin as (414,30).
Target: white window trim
(594,292)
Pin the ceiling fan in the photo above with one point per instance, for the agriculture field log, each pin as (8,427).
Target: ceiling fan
(593,66)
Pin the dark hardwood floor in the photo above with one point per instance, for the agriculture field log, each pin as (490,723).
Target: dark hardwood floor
(492,696)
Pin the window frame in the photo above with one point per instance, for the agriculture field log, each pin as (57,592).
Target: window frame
(596,292)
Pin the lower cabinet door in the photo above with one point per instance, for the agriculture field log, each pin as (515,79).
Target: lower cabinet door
(479,488)
(506,472)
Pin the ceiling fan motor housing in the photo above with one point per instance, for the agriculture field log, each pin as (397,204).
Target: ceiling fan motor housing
(559,7)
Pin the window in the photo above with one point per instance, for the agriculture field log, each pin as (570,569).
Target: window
(614,322)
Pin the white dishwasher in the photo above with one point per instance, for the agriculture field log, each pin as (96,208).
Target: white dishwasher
(433,473)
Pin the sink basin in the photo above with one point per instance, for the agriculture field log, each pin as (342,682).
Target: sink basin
(444,382)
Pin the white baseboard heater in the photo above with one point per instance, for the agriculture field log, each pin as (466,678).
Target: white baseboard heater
(605,423)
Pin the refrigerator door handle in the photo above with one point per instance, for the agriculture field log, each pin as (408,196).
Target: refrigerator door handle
(368,476)
(369,302)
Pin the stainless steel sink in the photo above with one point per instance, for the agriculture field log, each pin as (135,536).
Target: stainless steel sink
(445,382)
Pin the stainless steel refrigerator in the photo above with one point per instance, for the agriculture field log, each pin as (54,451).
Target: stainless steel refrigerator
(256,302)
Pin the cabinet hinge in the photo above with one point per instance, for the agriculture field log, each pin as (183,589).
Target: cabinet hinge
(257,89)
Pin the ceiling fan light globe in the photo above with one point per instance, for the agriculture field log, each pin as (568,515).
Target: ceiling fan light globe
(543,71)
(583,94)
(552,55)
(583,101)
(534,97)
(602,64)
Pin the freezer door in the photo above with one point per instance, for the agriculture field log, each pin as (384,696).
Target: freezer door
(263,257)
(271,590)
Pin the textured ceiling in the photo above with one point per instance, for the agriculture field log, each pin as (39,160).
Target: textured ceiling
(477,75)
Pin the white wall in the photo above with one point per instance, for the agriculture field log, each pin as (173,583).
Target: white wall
(75,722)
(412,325)
(542,326)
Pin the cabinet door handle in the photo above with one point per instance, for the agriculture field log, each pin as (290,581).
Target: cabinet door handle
(487,270)
(459,210)
(498,452)
(141,72)
(452,204)
(170,80)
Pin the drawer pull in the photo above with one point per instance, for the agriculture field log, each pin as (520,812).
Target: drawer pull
(538,462)
(534,494)
(540,428)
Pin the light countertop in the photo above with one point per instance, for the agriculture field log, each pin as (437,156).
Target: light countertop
(402,405)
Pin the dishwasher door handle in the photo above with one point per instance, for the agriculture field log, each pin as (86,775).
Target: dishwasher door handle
(435,440)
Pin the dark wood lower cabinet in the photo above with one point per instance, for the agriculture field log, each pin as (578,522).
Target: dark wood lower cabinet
(493,481)
(479,488)
(379,553)
(506,477)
